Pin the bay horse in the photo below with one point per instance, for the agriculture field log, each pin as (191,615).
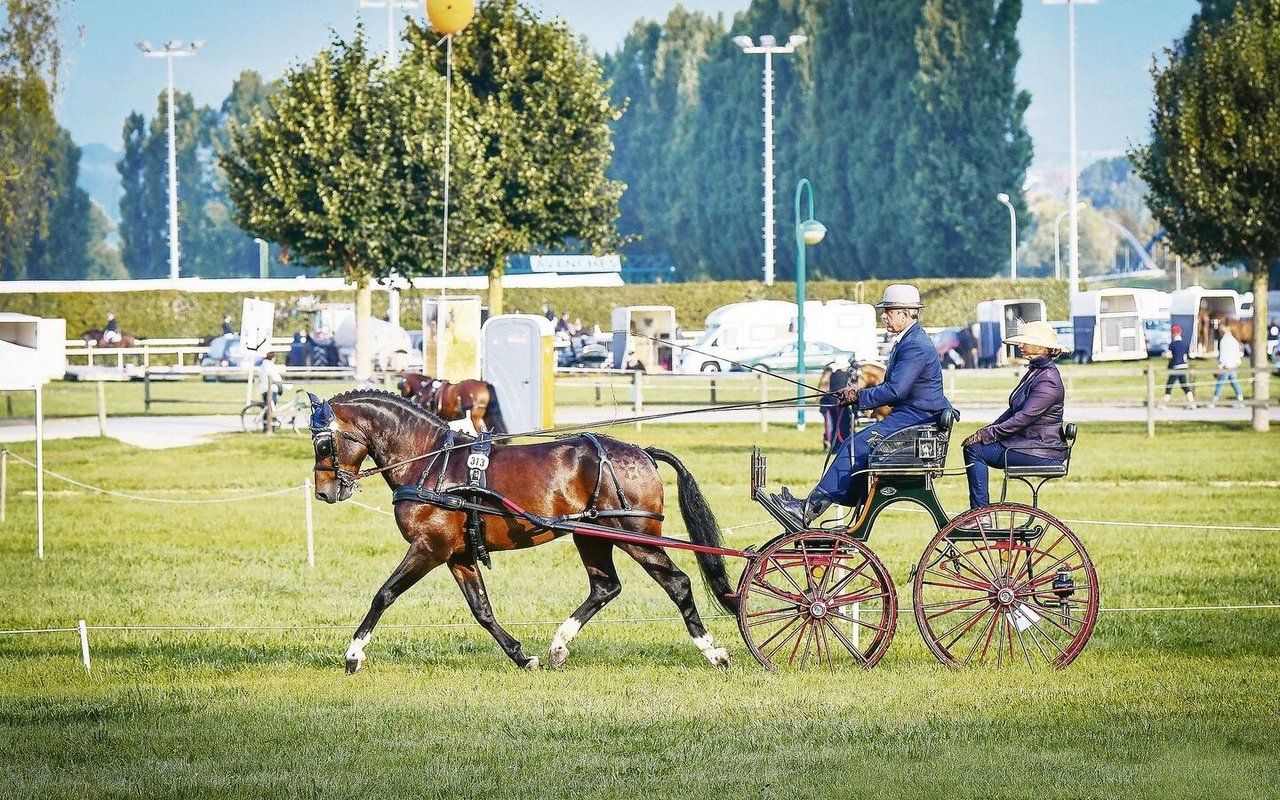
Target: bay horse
(449,401)
(582,477)
(95,335)
(866,374)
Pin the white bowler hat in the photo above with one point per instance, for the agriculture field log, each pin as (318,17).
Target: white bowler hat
(1040,334)
(900,295)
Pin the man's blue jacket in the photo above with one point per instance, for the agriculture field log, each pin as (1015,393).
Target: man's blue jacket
(912,379)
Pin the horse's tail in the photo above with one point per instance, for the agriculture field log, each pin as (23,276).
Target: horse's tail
(493,414)
(703,530)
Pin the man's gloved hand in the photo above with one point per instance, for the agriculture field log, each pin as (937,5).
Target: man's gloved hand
(973,438)
(848,396)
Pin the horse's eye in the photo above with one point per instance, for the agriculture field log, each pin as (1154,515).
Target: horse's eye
(324,448)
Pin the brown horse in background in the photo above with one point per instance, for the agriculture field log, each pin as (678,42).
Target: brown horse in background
(95,335)
(864,375)
(449,401)
(570,478)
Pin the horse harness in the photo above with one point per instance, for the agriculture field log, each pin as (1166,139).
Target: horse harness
(476,499)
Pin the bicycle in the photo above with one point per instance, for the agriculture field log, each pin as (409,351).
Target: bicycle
(292,413)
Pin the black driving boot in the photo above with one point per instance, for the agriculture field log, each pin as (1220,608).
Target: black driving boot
(814,505)
(789,503)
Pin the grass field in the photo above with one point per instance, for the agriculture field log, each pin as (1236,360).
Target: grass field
(251,700)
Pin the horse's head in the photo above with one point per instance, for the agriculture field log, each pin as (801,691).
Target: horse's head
(339,452)
(863,375)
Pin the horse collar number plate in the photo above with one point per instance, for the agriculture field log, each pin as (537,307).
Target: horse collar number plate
(477,461)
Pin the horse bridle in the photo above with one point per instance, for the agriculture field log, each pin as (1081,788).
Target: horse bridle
(324,443)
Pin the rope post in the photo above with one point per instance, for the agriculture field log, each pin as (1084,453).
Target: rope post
(4,480)
(84,646)
(637,394)
(1151,402)
(146,392)
(102,408)
(713,391)
(311,540)
(764,399)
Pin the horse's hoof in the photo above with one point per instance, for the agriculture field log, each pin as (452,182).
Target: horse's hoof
(557,656)
(719,657)
(354,665)
(531,664)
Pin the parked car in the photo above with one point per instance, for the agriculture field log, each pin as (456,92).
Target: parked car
(226,351)
(946,343)
(816,356)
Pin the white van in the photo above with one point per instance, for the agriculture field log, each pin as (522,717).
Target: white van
(844,324)
(738,331)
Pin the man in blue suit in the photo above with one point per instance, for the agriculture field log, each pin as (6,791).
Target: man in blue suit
(912,388)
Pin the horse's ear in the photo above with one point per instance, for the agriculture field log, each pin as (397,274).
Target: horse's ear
(321,413)
(315,401)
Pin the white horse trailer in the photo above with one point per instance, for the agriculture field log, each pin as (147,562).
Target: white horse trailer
(1107,325)
(738,331)
(844,324)
(999,319)
(642,335)
(1200,313)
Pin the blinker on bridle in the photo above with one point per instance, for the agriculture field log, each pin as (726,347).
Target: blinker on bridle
(322,440)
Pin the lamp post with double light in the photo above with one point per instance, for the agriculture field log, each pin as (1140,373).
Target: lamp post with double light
(808,232)
(769,47)
(1013,236)
(172,49)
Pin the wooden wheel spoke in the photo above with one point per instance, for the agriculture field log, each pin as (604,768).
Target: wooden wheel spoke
(964,626)
(968,584)
(850,646)
(778,594)
(977,640)
(955,605)
(856,621)
(794,630)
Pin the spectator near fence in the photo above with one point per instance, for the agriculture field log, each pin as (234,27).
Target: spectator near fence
(1177,354)
(1230,355)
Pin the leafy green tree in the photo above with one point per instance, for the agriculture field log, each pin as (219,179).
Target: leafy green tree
(60,251)
(103,258)
(1215,153)
(30,62)
(969,140)
(532,141)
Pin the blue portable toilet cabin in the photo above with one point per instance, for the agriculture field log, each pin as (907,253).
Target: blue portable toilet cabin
(999,319)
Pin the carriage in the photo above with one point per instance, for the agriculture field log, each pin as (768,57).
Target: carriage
(1007,583)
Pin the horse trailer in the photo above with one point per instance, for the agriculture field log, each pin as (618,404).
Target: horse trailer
(1201,312)
(1107,324)
(844,324)
(642,337)
(1000,319)
(738,331)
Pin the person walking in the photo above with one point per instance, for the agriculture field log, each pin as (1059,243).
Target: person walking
(1177,355)
(912,388)
(1230,355)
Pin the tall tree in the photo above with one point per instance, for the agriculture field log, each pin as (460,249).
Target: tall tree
(1215,153)
(142,247)
(534,107)
(60,251)
(969,139)
(30,62)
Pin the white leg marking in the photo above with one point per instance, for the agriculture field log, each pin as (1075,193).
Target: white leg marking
(716,655)
(560,644)
(534,663)
(355,653)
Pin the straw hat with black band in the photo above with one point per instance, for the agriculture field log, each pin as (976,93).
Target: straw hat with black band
(1037,334)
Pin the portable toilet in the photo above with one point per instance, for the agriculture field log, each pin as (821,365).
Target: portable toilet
(1200,313)
(1107,325)
(999,319)
(642,335)
(518,351)
(33,346)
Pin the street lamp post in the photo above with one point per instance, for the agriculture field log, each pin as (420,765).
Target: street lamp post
(1013,236)
(808,232)
(1073,199)
(768,46)
(172,49)
(1057,248)
(393,57)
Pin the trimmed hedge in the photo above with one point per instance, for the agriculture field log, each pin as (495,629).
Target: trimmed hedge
(173,314)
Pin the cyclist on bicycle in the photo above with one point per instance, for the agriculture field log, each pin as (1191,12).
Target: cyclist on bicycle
(270,381)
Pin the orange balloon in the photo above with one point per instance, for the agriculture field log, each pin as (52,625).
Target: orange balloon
(450,16)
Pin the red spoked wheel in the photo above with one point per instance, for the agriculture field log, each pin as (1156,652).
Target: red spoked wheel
(1006,584)
(817,599)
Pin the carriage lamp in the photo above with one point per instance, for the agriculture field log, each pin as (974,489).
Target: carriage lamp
(1064,586)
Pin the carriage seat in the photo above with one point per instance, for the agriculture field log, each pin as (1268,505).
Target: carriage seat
(1036,476)
(918,446)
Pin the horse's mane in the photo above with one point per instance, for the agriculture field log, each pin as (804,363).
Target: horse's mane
(379,396)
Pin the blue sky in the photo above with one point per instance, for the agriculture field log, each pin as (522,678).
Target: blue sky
(107,77)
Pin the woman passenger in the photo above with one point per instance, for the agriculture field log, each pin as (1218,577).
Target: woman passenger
(1029,432)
